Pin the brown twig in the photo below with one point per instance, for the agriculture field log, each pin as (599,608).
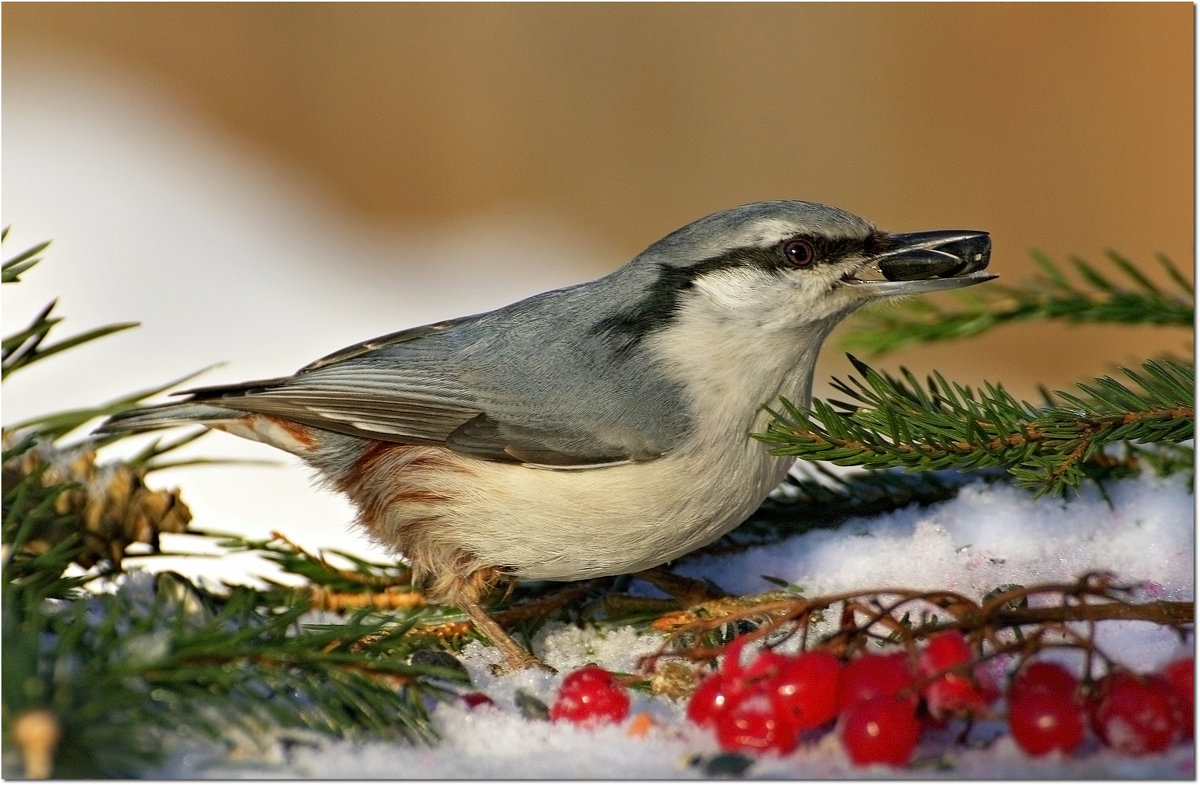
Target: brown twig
(392,599)
(1090,599)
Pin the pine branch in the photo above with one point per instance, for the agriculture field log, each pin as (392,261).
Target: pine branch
(41,542)
(1127,297)
(28,345)
(894,422)
(362,575)
(124,672)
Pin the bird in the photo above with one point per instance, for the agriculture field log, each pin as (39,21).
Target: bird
(600,429)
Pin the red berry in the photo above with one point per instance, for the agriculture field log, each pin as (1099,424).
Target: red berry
(1133,715)
(1042,721)
(1181,675)
(474,699)
(953,693)
(751,724)
(871,675)
(945,650)
(804,689)
(1042,676)
(710,699)
(731,664)
(765,665)
(882,729)
(592,696)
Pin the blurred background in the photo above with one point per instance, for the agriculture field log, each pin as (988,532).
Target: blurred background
(263,183)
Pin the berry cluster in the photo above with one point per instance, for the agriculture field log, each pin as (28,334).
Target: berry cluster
(882,701)
(1049,709)
(766,705)
(879,703)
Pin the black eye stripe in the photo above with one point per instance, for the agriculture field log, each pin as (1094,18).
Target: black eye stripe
(829,249)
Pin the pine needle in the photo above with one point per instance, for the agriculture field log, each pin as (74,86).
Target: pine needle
(1126,296)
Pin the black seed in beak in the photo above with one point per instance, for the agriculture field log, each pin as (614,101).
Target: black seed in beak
(975,252)
(924,263)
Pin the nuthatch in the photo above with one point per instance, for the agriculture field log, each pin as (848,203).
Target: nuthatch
(599,429)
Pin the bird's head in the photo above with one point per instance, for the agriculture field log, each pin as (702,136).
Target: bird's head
(794,263)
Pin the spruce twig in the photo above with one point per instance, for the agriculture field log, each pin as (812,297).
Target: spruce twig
(900,422)
(124,672)
(11,270)
(25,347)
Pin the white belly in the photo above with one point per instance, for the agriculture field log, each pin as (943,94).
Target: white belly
(568,525)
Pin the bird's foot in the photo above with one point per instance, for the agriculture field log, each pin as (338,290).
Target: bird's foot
(516,657)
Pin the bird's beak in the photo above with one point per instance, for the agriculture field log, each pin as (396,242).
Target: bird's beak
(926,262)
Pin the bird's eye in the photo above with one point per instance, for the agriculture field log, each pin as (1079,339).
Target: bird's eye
(799,252)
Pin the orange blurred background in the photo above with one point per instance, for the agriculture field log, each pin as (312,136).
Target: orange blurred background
(1062,127)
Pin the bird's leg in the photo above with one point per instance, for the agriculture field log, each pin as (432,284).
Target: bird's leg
(515,655)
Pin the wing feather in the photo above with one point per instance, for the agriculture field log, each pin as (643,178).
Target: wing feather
(461,384)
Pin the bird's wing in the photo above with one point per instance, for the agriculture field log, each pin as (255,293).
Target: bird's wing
(345,392)
(483,437)
(384,341)
(386,406)
(400,388)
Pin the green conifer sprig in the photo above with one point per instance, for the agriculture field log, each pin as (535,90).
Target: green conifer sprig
(900,422)
(127,671)
(1124,296)
(27,346)
(123,672)
(29,512)
(316,569)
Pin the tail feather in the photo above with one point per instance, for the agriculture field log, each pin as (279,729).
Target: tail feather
(167,415)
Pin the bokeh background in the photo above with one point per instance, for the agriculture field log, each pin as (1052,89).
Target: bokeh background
(264,183)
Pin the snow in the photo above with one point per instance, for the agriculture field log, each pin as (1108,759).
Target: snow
(986,536)
(153,220)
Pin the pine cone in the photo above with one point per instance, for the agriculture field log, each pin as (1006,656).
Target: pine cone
(109,504)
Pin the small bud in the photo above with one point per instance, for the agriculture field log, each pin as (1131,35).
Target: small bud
(36,733)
